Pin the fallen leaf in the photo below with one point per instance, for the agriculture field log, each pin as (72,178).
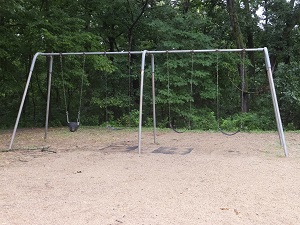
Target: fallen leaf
(224,208)
(236,211)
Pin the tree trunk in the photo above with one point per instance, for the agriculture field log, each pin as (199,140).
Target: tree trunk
(134,83)
(238,38)
(250,70)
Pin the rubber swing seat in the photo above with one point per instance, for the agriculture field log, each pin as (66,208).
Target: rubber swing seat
(73,126)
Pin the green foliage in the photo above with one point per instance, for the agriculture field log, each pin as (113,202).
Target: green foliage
(203,119)
(287,82)
(185,83)
(247,122)
(89,120)
(130,120)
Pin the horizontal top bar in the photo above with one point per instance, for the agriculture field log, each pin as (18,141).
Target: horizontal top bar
(89,53)
(152,52)
(206,50)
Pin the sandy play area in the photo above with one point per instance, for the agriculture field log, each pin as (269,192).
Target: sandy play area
(95,176)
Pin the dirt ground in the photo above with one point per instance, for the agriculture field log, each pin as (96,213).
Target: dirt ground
(96,176)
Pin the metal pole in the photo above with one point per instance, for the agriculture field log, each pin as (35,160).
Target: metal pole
(141,100)
(92,53)
(23,98)
(275,102)
(153,52)
(153,98)
(48,97)
(206,51)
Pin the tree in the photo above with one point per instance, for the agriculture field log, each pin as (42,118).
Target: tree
(112,83)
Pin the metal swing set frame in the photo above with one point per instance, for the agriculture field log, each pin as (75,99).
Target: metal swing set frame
(143,54)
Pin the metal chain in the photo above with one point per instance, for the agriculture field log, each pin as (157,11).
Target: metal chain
(129,86)
(80,98)
(218,103)
(191,89)
(217,91)
(64,89)
(168,74)
(243,79)
(106,94)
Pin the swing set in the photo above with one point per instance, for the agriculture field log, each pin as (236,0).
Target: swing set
(129,93)
(73,126)
(143,54)
(218,95)
(171,120)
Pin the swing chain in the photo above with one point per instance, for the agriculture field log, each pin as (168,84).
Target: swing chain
(218,103)
(129,86)
(171,120)
(169,100)
(191,90)
(243,80)
(217,88)
(81,88)
(64,89)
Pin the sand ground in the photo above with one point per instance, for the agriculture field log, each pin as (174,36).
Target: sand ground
(96,176)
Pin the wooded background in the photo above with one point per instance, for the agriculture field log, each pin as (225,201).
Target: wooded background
(111,83)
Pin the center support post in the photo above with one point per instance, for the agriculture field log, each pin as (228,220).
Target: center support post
(48,95)
(141,100)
